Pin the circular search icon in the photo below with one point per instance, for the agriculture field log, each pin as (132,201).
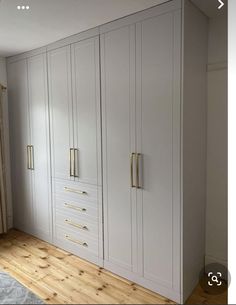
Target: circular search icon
(214,279)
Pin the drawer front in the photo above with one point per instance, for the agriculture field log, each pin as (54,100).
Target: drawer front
(85,227)
(80,208)
(75,242)
(76,191)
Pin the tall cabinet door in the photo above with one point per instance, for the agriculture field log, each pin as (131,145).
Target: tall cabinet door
(39,128)
(158,141)
(118,113)
(86,110)
(19,140)
(60,96)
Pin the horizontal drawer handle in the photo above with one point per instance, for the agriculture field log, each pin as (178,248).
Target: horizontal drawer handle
(76,225)
(81,243)
(74,207)
(68,189)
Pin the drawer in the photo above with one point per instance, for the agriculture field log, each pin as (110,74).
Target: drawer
(76,191)
(79,207)
(75,242)
(82,225)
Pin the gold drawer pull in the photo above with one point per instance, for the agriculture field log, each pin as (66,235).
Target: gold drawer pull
(71,206)
(76,241)
(76,225)
(68,189)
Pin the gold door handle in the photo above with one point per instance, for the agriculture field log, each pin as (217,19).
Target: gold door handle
(71,162)
(74,207)
(132,169)
(84,244)
(79,226)
(28,157)
(68,189)
(32,157)
(76,162)
(138,171)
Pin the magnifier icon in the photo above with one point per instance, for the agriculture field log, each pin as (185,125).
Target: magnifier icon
(214,278)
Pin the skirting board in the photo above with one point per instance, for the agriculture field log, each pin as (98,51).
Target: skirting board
(217,66)
(212,260)
(9,222)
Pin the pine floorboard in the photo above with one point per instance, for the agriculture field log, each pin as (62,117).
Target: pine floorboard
(59,277)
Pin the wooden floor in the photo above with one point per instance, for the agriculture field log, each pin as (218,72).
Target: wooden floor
(201,297)
(59,277)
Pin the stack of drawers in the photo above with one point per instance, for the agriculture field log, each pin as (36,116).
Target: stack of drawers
(76,225)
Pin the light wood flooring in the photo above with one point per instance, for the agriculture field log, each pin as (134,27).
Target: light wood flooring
(202,297)
(59,277)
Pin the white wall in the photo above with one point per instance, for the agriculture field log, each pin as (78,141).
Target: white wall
(3,81)
(216,212)
(3,73)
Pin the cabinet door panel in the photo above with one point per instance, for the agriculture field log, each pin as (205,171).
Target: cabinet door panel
(158,106)
(38,102)
(118,106)
(19,139)
(59,65)
(86,97)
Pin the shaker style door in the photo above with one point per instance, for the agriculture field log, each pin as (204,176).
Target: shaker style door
(158,142)
(19,143)
(86,110)
(118,113)
(39,128)
(60,98)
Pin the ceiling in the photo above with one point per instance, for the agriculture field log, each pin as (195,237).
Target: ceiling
(210,7)
(50,20)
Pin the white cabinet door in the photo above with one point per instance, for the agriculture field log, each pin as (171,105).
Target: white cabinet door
(19,139)
(39,128)
(158,140)
(86,110)
(118,113)
(60,97)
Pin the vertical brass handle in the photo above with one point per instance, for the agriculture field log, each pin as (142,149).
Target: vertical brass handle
(32,157)
(131,169)
(138,171)
(28,157)
(71,162)
(76,165)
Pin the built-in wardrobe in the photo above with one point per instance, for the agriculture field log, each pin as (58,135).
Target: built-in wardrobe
(29,146)
(107,133)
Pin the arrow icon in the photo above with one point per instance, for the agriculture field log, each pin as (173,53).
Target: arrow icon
(221,4)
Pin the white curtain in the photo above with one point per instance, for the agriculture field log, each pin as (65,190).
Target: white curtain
(3,201)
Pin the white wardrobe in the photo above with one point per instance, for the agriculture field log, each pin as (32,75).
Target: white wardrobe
(142,199)
(74,99)
(29,145)
(108,145)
